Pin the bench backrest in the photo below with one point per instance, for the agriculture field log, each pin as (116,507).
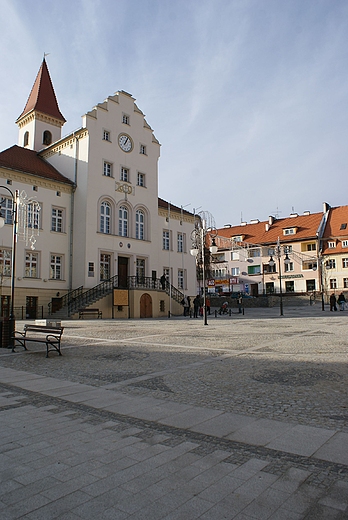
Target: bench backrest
(44,330)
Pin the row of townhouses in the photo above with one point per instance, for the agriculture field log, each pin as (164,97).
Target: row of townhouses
(299,254)
(96,233)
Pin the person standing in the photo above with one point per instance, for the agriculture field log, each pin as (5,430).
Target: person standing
(240,303)
(207,304)
(333,306)
(341,300)
(196,305)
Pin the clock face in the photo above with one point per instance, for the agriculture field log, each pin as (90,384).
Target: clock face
(125,143)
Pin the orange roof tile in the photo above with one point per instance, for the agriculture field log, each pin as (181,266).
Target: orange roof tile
(28,161)
(306,228)
(42,97)
(336,229)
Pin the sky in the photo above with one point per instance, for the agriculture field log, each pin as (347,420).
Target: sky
(248,98)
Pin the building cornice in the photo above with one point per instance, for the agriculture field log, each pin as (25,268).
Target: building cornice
(63,143)
(39,116)
(30,179)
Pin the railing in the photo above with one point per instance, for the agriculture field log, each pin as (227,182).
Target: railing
(78,299)
(67,298)
(22,313)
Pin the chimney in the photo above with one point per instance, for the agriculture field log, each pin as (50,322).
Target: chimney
(306,213)
(326,207)
(267,226)
(270,220)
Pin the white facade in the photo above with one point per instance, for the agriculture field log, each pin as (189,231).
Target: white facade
(112,224)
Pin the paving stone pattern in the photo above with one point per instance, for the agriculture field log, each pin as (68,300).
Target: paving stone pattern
(245,418)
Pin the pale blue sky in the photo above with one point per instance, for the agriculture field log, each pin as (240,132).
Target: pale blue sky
(247,97)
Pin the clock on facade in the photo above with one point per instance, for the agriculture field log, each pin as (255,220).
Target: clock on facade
(125,143)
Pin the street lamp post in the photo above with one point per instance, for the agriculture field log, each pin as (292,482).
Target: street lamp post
(198,250)
(271,263)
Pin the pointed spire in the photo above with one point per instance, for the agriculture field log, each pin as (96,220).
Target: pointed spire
(42,97)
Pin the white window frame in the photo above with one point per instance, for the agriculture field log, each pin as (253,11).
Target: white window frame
(105,217)
(125,119)
(288,267)
(104,266)
(124,174)
(5,261)
(56,266)
(106,136)
(235,271)
(344,262)
(57,219)
(333,283)
(6,209)
(31,264)
(289,231)
(331,245)
(166,240)
(344,243)
(180,242)
(107,169)
(143,149)
(181,279)
(345,283)
(141,179)
(123,221)
(331,263)
(140,224)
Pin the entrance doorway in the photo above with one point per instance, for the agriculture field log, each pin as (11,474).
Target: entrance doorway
(122,271)
(31,307)
(145,306)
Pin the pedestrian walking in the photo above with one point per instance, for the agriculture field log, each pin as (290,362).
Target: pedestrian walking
(196,306)
(341,300)
(333,306)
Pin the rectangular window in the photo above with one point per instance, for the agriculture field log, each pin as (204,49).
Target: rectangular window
(330,264)
(253,253)
(345,283)
(56,267)
(181,279)
(333,283)
(344,243)
(5,262)
(91,269)
(107,169)
(6,209)
(289,267)
(289,286)
(57,220)
(166,240)
(124,174)
(34,210)
(180,243)
(31,265)
(254,269)
(143,149)
(331,245)
(311,247)
(106,135)
(140,270)
(234,255)
(309,265)
(289,231)
(141,179)
(125,119)
(235,271)
(104,266)
(344,262)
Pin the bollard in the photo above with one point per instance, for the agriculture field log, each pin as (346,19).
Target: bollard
(215,313)
(168,314)
(230,312)
(243,311)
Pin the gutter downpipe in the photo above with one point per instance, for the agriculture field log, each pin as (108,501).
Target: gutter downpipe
(72,208)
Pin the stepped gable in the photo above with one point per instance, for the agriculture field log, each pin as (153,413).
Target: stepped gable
(336,230)
(42,97)
(268,232)
(28,161)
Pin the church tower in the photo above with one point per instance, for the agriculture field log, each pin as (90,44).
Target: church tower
(41,121)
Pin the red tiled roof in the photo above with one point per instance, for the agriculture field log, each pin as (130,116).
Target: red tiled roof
(336,229)
(42,97)
(28,161)
(306,228)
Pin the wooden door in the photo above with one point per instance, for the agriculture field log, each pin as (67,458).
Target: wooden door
(122,272)
(145,306)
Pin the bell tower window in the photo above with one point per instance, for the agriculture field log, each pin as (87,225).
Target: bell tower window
(47,138)
(26,139)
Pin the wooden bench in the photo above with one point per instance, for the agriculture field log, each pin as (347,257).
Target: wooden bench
(90,312)
(51,336)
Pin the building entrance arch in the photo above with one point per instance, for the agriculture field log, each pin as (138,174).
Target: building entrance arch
(145,306)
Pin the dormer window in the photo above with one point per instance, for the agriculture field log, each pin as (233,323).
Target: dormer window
(289,231)
(47,138)
(237,238)
(331,245)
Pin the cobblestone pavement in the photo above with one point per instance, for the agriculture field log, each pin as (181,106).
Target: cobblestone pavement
(245,418)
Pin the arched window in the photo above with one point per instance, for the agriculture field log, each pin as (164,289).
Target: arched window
(26,139)
(47,137)
(105,217)
(139,224)
(123,221)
